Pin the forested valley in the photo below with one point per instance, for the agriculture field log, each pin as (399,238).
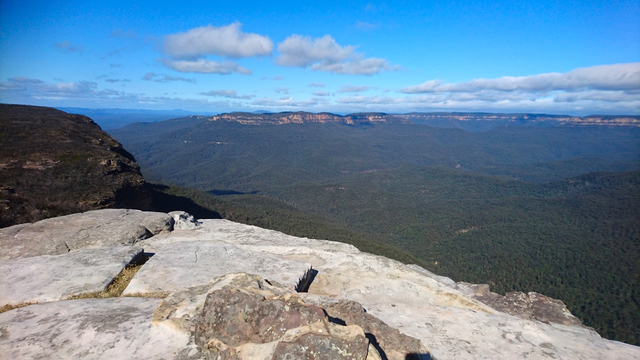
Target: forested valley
(552,210)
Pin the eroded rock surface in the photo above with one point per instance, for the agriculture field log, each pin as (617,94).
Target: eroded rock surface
(88,230)
(184,264)
(116,328)
(240,316)
(376,308)
(531,306)
(55,277)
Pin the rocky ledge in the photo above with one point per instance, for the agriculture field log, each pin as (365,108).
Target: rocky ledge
(233,291)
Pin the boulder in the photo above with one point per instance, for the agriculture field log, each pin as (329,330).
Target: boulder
(531,306)
(183,264)
(88,230)
(184,221)
(56,277)
(242,316)
(397,346)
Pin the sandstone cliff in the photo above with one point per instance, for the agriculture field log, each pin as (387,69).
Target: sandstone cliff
(433,119)
(308,118)
(215,289)
(53,163)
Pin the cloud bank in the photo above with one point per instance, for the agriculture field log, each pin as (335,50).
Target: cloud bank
(325,54)
(618,77)
(227,41)
(187,51)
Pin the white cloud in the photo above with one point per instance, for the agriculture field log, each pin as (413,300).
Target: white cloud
(321,93)
(313,84)
(226,41)
(67,47)
(164,78)
(603,77)
(205,66)
(22,90)
(282,90)
(353,88)
(597,89)
(325,54)
(231,94)
(286,102)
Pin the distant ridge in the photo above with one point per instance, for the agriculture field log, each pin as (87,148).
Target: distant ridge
(302,117)
(470,121)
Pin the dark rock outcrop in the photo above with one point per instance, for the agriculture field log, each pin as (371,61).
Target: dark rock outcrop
(53,163)
(389,342)
(530,306)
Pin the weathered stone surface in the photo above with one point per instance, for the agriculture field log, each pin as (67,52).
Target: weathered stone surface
(236,317)
(115,328)
(531,306)
(184,221)
(322,342)
(183,264)
(55,277)
(387,340)
(445,316)
(247,318)
(424,306)
(88,230)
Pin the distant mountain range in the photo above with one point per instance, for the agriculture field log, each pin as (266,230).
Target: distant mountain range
(116,118)
(467,121)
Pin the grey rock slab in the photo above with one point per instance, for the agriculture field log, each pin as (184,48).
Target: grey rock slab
(183,264)
(91,229)
(241,234)
(54,277)
(114,328)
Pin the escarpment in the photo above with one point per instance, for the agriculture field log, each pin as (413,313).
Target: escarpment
(53,163)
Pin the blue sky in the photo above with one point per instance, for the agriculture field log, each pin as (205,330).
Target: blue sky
(568,57)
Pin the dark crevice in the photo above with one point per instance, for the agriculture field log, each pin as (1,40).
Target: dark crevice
(305,281)
(373,341)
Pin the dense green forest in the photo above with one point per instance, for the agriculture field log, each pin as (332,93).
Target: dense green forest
(552,210)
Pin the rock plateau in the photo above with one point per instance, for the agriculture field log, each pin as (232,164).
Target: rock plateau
(241,292)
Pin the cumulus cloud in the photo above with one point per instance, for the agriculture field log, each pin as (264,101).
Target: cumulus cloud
(325,54)
(66,47)
(313,84)
(226,41)
(282,90)
(205,66)
(286,102)
(353,88)
(321,93)
(603,77)
(597,89)
(164,78)
(25,90)
(231,94)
